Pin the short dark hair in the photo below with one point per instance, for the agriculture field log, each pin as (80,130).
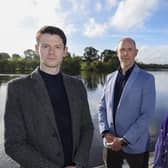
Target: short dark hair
(51,30)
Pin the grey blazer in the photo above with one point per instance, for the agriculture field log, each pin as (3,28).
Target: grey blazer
(31,134)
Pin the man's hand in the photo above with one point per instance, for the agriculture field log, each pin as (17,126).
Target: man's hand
(108,139)
(117,144)
(112,142)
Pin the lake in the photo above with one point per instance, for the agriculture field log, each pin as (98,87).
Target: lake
(94,84)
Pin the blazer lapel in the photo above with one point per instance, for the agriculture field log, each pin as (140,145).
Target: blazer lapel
(110,96)
(129,84)
(112,86)
(72,99)
(41,93)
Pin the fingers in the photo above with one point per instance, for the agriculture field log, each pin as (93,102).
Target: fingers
(114,144)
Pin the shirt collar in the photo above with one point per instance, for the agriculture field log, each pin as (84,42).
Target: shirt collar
(128,72)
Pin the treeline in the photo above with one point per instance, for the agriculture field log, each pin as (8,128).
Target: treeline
(90,61)
(153,67)
(18,64)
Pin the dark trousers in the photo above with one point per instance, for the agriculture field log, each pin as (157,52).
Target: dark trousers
(114,159)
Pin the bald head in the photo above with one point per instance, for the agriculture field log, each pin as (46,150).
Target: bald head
(129,40)
(126,52)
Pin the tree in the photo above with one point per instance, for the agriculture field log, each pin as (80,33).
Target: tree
(29,53)
(21,66)
(4,55)
(110,60)
(90,54)
(16,56)
(71,65)
(107,55)
(68,55)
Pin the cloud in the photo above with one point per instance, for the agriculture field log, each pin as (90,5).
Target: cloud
(132,14)
(20,19)
(82,6)
(110,3)
(50,12)
(98,7)
(93,29)
(153,54)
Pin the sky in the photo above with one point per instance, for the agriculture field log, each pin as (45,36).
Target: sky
(97,23)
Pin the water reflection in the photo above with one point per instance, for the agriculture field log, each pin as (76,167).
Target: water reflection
(94,84)
(3,79)
(6,77)
(92,80)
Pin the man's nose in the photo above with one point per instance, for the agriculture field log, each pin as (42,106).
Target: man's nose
(125,52)
(51,50)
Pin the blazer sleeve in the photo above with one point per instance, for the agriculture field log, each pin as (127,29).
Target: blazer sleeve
(102,112)
(147,109)
(102,115)
(16,145)
(86,132)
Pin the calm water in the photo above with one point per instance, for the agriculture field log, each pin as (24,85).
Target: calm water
(94,84)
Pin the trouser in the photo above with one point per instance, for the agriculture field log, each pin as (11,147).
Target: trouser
(114,159)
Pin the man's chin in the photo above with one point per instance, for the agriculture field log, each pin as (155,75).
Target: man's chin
(51,65)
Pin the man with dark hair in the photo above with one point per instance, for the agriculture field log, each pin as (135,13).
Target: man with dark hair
(126,107)
(47,117)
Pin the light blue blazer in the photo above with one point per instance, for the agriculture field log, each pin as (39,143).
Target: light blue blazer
(134,111)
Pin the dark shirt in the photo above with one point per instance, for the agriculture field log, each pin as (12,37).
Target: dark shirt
(119,86)
(59,101)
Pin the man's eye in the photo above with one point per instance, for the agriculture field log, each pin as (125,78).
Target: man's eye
(58,47)
(122,50)
(45,46)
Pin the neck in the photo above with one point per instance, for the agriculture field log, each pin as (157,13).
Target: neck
(50,70)
(125,68)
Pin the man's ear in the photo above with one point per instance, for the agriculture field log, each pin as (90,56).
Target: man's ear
(136,52)
(65,51)
(37,49)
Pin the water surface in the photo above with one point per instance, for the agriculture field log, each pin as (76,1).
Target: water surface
(94,84)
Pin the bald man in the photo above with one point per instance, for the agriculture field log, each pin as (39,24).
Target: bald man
(127,104)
